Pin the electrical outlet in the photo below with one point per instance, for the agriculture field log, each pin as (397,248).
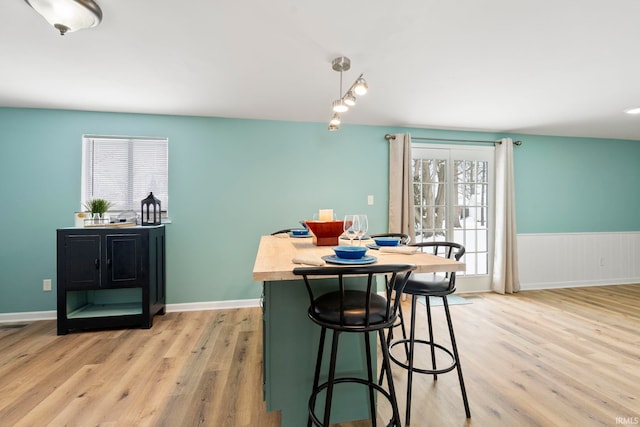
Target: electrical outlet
(370,200)
(46,285)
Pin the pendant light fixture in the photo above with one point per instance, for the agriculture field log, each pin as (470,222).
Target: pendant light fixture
(345,99)
(68,16)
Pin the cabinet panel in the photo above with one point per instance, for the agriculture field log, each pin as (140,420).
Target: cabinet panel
(124,260)
(157,269)
(82,261)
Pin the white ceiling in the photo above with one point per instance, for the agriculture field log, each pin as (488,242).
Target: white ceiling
(553,67)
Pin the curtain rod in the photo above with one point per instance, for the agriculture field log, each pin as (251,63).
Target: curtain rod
(389,136)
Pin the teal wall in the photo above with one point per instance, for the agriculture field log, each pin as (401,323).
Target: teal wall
(233,180)
(566,185)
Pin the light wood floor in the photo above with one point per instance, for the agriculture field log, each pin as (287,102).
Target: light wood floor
(568,357)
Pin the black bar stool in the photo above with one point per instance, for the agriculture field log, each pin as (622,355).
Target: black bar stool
(354,307)
(436,285)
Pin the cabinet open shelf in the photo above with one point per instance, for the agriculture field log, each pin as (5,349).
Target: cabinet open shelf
(105,310)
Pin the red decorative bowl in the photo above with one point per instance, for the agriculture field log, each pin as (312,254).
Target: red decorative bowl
(325,233)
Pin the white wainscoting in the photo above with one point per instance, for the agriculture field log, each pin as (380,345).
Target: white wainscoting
(578,259)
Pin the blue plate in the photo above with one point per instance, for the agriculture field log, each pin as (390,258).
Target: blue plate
(367,259)
(297,236)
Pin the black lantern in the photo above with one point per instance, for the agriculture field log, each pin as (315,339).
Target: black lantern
(150,214)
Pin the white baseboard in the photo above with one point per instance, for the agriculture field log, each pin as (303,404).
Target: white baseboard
(577,284)
(213,305)
(32,316)
(27,316)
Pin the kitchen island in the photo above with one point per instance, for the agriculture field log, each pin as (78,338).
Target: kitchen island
(290,338)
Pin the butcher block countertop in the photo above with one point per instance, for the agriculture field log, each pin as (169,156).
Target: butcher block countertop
(274,260)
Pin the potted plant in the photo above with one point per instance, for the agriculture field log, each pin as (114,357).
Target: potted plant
(97,207)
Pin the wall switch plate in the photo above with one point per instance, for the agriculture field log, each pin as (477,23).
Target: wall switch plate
(46,285)
(370,200)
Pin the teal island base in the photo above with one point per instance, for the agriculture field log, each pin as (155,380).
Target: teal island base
(290,345)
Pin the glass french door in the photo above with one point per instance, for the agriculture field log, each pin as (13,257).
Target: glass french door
(453,199)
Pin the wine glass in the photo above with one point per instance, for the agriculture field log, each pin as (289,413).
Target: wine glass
(348,227)
(361,226)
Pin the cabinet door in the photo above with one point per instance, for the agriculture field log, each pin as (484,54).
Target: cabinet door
(82,259)
(124,259)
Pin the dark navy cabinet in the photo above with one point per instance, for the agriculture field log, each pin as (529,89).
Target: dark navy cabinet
(110,277)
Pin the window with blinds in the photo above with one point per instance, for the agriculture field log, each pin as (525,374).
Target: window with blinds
(124,170)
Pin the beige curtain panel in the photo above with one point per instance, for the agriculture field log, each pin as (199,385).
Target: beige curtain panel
(505,260)
(401,211)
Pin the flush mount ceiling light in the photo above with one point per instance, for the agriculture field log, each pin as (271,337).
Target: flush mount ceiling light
(345,99)
(68,16)
(632,110)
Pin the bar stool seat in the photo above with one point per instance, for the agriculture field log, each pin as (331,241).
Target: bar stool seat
(354,307)
(436,287)
(354,311)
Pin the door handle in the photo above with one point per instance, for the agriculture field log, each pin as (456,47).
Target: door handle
(96,262)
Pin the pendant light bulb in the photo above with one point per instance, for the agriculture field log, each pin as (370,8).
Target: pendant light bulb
(339,106)
(361,87)
(335,119)
(349,99)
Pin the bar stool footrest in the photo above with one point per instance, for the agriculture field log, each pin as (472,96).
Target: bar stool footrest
(440,347)
(312,399)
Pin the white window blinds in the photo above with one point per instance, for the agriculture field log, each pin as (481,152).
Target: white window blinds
(124,170)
